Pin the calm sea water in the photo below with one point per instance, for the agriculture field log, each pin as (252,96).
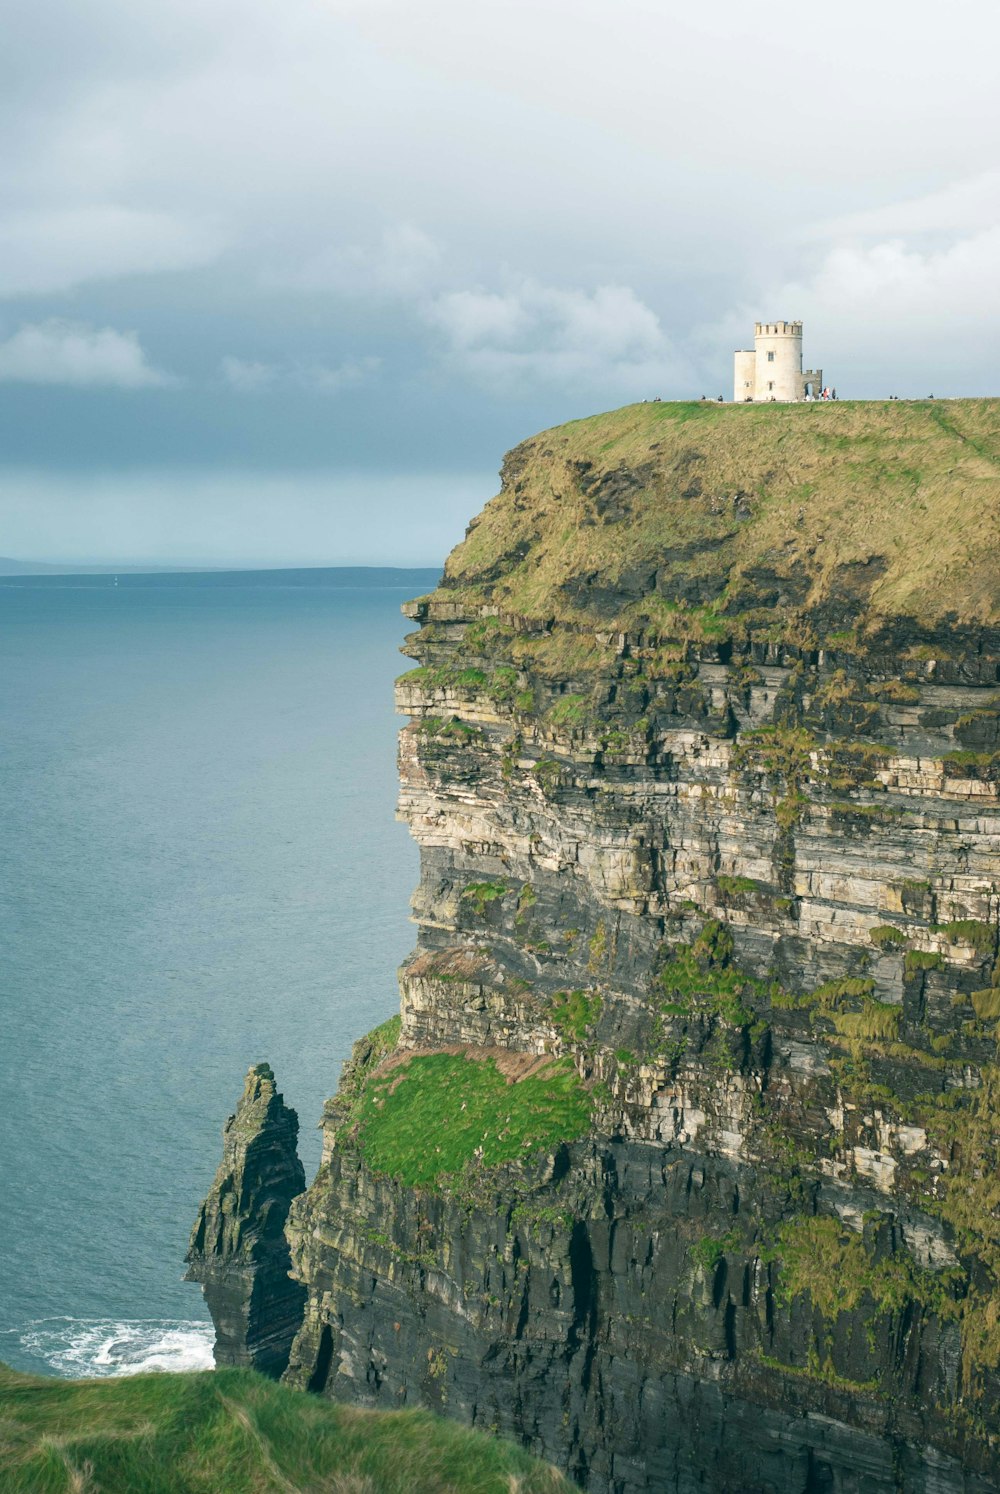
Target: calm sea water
(199,869)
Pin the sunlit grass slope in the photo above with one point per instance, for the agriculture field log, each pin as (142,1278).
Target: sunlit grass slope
(896,502)
(439,1113)
(233,1432)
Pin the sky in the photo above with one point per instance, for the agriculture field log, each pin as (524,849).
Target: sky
(280,283)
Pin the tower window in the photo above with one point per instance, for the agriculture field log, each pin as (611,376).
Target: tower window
(770,357)
(771,384)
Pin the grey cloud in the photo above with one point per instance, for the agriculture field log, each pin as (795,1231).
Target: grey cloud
(970,203)
(53,249)
(606,338)
(403,262)
(551,138)
(61,352)
(247,376)
(472,318)
(781,90)
(329,380)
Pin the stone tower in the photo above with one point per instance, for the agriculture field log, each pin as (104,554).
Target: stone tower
(772,368)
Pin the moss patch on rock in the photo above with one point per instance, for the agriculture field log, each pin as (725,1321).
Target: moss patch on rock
(702,976)
(481,894)
(574,1013)
(833,1264)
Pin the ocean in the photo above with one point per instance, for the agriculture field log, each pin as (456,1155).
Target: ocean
(199,869)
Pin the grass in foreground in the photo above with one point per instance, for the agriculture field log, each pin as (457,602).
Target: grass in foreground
(233,1432)
(426,1118)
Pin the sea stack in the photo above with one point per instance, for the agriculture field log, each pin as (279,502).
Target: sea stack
(238,1248)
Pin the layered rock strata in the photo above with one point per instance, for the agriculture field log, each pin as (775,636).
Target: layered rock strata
(705,784)
(238,1249)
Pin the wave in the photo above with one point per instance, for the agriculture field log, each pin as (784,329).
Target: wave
(111,1346)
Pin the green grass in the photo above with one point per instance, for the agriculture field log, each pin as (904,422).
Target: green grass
(234,1432)
(734,887)
(569,711)
(877,1021)
(887,936)
(384,1037)
(574,1013)
(444,677)
(500,684)
(982,936)
(429,1118)
(448,728)
(969,764)
(986,1004)
(481,894)
(832,993)
(710,1250)
(921,959)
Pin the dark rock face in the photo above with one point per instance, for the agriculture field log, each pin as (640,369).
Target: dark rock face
(238,1248)
(592,1338)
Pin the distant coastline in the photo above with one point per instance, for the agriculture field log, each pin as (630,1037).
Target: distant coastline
(409,578)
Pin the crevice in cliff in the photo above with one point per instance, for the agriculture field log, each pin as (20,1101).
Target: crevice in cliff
(324,1358)
(720,1282)
(819,1477)
(581,1265)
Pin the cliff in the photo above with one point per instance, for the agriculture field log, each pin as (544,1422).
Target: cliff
(679,1165)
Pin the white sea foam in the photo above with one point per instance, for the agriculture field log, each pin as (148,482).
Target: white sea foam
(109,1346)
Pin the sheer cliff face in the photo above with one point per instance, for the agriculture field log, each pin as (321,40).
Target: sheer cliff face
(680,1164)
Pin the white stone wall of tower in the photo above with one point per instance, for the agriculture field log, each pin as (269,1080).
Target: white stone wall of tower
(780,375)
(744,375)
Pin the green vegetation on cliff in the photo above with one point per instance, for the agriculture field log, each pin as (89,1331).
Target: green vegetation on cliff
(235,1432)
(830,1262)
(574,1013)
(689,519)
(433,1114)
(702,976)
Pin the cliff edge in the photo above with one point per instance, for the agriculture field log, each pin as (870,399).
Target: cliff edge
(679,1164)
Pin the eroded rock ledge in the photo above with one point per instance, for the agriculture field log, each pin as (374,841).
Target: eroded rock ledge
(703,764)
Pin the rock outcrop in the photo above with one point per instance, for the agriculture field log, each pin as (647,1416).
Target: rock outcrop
(680,1163)
(238,1249)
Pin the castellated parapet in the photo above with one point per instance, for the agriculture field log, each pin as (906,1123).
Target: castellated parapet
(772,368)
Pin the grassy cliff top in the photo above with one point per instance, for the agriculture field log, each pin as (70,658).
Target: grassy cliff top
(234,1432)
(843,513)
